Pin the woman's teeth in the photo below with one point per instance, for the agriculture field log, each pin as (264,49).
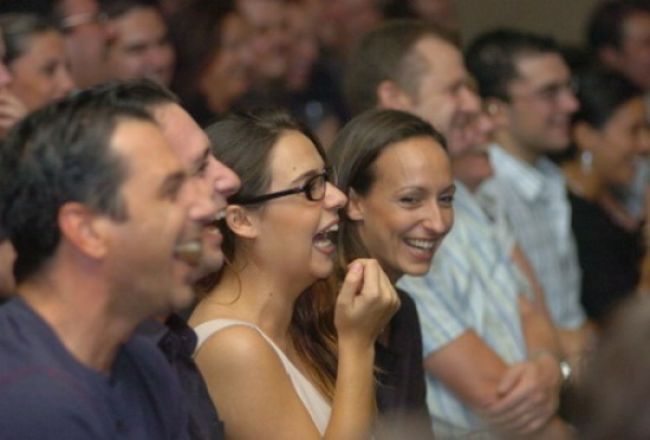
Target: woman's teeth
(425,245)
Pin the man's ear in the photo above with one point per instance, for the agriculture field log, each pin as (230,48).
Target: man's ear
(354,208)
(391,96)
(84,229)
(243,222)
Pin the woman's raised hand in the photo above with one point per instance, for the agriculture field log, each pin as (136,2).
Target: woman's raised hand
(366,302)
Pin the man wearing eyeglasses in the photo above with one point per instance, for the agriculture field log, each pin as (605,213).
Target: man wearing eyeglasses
(526,85)
(85,39)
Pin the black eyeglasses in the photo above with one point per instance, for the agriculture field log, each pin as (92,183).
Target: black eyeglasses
(314,190)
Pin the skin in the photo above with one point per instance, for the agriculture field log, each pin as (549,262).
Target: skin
(85,42)
(215,181)
(139,47)
(7,257)
(269,38)
(41,74)
(537,118)
(11,108)
(278,260)
(411,199)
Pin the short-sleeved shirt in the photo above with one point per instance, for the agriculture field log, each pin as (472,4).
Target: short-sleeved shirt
(472,285)
(47,394)
(531,201)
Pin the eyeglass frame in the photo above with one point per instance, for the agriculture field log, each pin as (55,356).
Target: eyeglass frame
(326,174)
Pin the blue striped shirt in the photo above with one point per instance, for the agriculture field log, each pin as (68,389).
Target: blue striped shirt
(531,203)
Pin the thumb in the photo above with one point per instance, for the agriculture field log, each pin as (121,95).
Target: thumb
(351,284)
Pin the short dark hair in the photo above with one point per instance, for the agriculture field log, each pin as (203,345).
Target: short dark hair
(354,153)
(605,28)
(492,58)
(116,8)
(601,93)
(59,154)
(17,31)
(142,93)
(387,53)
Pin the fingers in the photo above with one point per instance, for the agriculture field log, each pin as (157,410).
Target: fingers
(352,283)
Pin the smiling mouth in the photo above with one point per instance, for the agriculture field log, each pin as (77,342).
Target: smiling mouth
(423,245)
(190,252)
(326,239)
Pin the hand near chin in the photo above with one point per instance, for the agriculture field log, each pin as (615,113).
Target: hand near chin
(365,304)
(11,111)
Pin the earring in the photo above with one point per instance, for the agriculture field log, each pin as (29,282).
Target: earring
(586,162)
(492,108)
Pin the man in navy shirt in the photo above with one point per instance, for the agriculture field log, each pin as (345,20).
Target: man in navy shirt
(105,221)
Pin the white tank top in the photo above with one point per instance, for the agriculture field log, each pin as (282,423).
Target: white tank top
(311,398)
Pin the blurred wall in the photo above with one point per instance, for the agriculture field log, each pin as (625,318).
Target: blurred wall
(563,19)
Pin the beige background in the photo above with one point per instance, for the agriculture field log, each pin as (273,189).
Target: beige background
(563,19)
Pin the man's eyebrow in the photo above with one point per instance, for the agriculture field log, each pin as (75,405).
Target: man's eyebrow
(172,184)
(198,163)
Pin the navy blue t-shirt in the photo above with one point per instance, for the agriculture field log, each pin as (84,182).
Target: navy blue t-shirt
(45,393)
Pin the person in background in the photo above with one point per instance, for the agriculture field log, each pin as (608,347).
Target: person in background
(35,56)
(210,78)
(283,352)
(611,136)
(527,90)
(395,171)
(85,39)
(138,44)
(11,108)
(612,400)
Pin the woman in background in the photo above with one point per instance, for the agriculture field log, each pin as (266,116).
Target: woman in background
(282,354)
(35,57)
(394,169)
(611,136)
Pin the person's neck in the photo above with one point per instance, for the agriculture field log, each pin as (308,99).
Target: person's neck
(509,144)
(79,312)
(261,297)
(585,185)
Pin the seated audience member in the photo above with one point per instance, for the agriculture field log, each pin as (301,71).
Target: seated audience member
(618,33)
(526,87)
(394,169)
(11,108)
(212,75)
(481,334)
(35,56)
(311,91)
(175,338)
(613,400)
(90,195)
(611,136)
(138,44)
(269,43)
(85,39)
(312,350)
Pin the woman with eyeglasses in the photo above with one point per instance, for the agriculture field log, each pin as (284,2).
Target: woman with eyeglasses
(286,354)
(396,173)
